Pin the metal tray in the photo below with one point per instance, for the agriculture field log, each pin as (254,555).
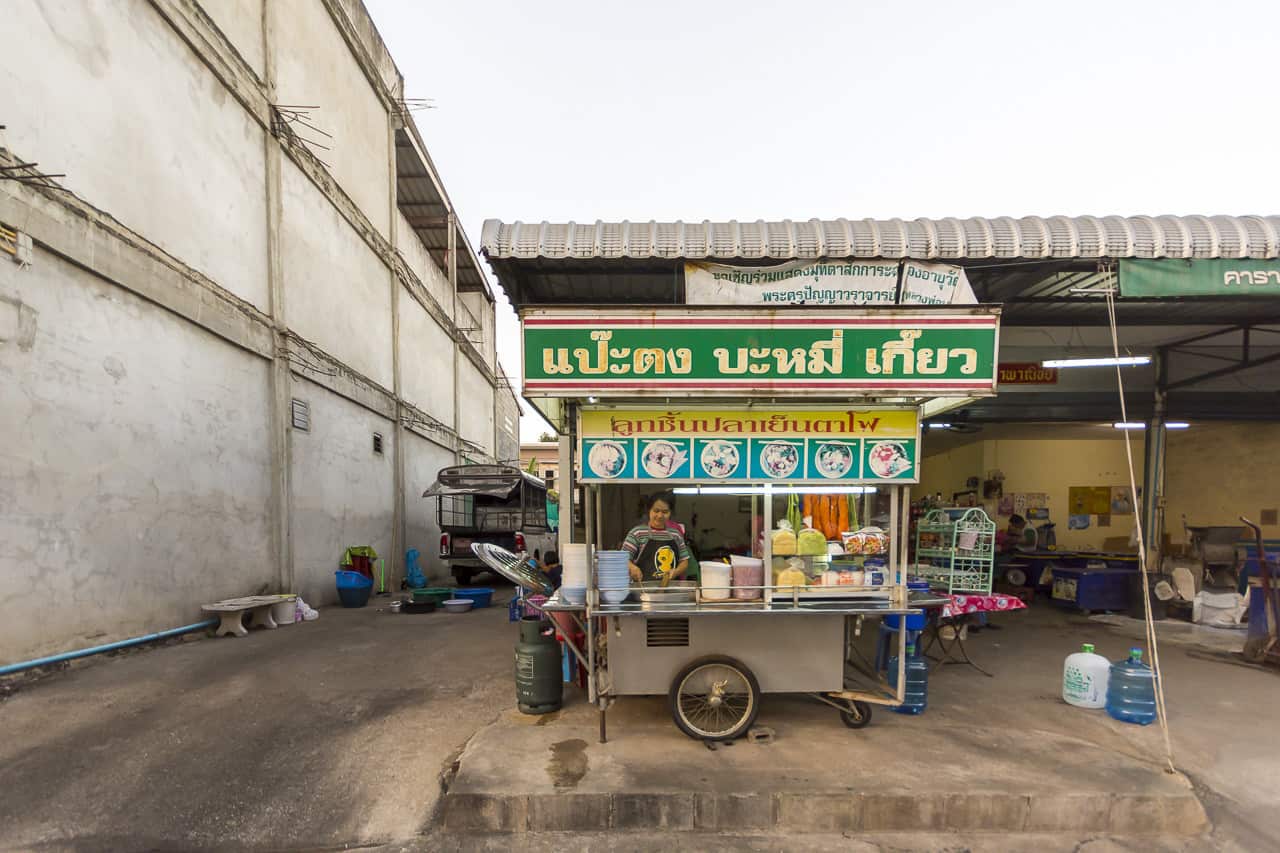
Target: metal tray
(653,594)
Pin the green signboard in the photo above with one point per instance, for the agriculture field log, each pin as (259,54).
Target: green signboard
(1199,277)
(679,352)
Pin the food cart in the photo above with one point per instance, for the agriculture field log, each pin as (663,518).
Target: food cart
(722,413)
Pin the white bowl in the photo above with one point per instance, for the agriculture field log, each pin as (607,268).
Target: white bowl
(614,596)
(458,605)
(573,595)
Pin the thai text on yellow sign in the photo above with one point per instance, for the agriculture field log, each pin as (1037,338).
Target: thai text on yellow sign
(782,423)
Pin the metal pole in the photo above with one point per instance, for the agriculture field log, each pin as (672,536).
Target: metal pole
(1149,505)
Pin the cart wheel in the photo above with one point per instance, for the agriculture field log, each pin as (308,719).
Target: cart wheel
(859,717)
(714,699)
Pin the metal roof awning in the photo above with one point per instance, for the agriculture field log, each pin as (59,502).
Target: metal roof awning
(1079,237)
(424,203)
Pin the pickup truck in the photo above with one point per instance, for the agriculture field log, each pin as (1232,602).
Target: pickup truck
(498,504)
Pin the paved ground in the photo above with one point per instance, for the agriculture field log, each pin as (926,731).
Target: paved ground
(334,733)
(313,735)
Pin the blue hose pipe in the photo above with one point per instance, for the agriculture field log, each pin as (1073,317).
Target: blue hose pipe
(84,653)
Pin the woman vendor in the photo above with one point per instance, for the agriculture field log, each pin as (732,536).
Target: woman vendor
(657,550)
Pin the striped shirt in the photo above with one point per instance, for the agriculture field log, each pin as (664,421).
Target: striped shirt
(642,536)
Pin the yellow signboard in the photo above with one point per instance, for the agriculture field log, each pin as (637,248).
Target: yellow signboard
(782,423)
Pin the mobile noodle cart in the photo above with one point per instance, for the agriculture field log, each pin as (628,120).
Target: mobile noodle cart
(760,403)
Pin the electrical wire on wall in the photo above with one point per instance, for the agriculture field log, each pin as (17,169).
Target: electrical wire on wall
(1161,713)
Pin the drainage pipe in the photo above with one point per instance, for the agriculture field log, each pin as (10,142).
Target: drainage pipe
(84,653)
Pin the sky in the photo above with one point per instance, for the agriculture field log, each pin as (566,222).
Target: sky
(750,110)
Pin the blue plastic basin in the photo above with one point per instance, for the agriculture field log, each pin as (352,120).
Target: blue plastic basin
(481,596)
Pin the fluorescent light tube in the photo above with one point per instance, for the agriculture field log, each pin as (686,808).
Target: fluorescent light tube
(1107,361)
(939,426)
(780,490)
(1177,425)
(1141,425)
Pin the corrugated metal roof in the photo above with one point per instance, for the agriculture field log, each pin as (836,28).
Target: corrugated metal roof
(941,239)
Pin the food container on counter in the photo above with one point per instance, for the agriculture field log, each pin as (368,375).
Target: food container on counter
(747,572)
(717,578)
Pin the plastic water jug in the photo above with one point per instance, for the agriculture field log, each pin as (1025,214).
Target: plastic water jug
(716,580)
(1131,692)
(1084,678)
(915,696)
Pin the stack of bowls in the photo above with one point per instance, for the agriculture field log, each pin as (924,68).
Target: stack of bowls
(575,574)
(613,575)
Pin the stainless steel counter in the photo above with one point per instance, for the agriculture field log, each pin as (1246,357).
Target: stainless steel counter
(851,607)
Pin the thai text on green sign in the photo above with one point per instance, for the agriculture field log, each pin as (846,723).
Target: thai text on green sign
(798,351)
(1199,277)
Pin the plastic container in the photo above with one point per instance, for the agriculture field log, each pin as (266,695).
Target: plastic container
(479,596)
(354,588)
(1091,589)
(433,594)
(1084,678)
(1131,690)
(716,581)
(916,696)
(458,605)
(747,572)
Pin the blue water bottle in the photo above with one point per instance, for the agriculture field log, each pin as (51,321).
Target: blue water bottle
(916,695)
(1131,692)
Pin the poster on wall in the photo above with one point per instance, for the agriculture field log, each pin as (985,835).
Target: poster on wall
(1006,506)
(1121,500)
(1078,522)
(1037,513)
(1089,500)
(1020,504)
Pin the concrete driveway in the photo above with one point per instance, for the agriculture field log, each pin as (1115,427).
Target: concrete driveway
(320,734)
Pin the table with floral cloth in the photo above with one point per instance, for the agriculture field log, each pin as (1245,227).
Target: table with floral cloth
(971,602)
(954,616)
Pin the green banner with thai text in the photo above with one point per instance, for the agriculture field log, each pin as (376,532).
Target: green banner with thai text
(745,352)
(1199,277)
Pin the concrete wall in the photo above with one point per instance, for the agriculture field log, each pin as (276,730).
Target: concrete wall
(1051,466)
(107,94)
(314,67)
(135,470)
(1217,472)
(332,512)
(337,291)
(148,464)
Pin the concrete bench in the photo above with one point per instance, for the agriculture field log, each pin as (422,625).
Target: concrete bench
(231,611)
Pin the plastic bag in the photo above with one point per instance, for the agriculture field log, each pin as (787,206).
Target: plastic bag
(303,613)
(784,539)
(811,543)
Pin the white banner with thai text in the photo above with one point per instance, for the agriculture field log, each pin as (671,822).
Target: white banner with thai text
(845,282)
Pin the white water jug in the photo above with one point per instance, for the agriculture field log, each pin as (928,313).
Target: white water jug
(1084,678)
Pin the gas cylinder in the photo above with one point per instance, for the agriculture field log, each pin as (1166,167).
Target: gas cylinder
(539,689)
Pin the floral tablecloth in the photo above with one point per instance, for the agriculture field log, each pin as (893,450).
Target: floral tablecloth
(964,602)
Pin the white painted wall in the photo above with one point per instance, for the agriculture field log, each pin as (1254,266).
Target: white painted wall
(136,465)
(343,493)
(106,93)
(423,460)
(314,67)
(241,22)
(482,317)
(337,291)
(476,410)
(426,360)
(134,470)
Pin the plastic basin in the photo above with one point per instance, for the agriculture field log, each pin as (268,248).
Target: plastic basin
(479,596)
(433,594)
